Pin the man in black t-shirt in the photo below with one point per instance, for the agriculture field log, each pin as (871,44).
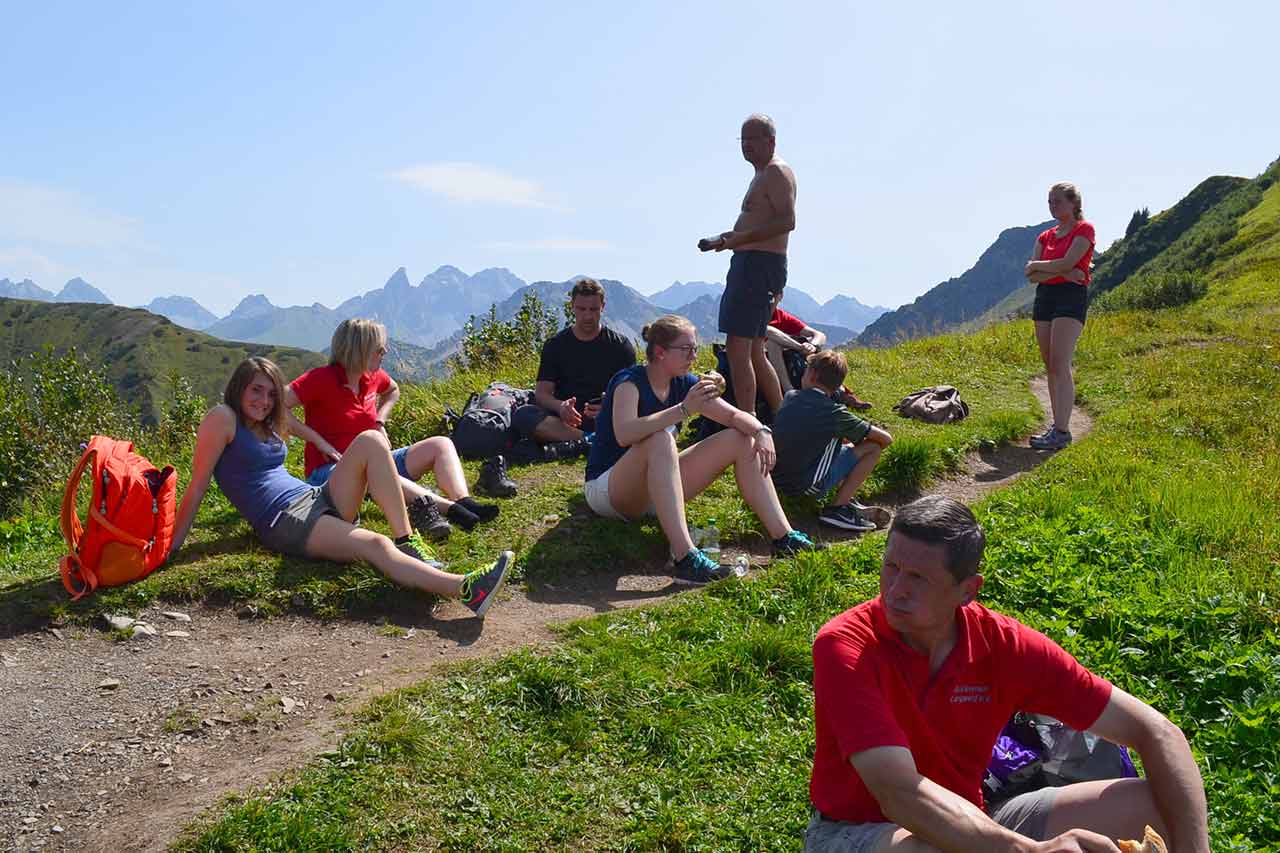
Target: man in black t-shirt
(575,367)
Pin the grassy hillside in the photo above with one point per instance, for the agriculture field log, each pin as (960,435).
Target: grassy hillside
(1149,550)
(138,349)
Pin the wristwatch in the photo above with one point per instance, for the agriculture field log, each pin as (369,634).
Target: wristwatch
(763,428)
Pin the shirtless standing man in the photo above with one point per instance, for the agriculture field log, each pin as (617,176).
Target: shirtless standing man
(758,269)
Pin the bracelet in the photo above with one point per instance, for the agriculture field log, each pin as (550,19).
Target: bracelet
(684,411)
(763,428)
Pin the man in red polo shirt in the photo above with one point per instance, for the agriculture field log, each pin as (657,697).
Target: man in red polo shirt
(912,688)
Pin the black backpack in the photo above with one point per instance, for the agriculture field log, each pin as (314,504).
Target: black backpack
(484,427)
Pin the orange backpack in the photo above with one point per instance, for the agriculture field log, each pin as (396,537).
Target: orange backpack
(131,516)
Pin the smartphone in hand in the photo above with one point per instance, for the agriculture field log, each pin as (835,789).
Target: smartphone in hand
(706,244)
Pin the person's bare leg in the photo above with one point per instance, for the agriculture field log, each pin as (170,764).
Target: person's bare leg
(649,473)
(902,841)
(367,467)
(738,351)
(868,455)
(701,464)
(774,352)
(1118,808)
(554,429)
(338,540)
(437,455)
(766,377)
(1044,340)
(1063,334)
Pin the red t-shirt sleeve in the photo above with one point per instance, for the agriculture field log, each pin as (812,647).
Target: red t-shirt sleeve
(305,385)
(846,686)
(1058,685)
(1043,239)
(789,323)
(1085,230)
(381,382)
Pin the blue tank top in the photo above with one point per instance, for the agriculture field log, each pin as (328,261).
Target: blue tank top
(251,474)
(605,451)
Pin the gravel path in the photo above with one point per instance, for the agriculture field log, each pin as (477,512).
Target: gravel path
(116,745)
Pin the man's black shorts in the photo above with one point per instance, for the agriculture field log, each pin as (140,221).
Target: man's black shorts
(746,306)
(1060,300)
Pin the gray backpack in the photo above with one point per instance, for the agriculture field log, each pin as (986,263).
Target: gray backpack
(940,404)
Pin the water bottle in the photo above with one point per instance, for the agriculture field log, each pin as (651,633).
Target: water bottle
(696,535)
(711,540)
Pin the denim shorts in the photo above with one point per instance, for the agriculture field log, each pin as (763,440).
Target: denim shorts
(746,305)
(1027,814)
(832,468)
(320,476)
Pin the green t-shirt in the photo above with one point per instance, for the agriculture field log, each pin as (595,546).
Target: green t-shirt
(808,421)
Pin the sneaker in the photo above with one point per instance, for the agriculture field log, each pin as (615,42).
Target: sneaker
(794,543)
(418,549)
(697,569)
(1054,439)
(846,517)
(493,479)
(1041,436)
(426,519)
(480,588)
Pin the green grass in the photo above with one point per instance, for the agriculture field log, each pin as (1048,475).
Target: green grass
(1151,551)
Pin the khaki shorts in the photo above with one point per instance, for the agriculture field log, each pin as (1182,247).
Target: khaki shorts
(1026,814)
(288,531)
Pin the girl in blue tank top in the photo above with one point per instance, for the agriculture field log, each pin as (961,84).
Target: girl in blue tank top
(634,468)
(240,443)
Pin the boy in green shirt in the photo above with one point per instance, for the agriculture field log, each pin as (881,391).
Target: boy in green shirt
(822,445)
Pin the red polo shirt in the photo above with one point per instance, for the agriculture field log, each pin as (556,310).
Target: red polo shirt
(332,410)
(789,323)
(871,689)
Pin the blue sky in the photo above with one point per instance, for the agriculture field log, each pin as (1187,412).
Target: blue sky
(307,151)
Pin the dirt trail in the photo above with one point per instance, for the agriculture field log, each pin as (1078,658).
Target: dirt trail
(88,766)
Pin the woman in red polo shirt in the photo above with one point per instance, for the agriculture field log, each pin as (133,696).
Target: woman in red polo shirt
(1060,267)
(351,394)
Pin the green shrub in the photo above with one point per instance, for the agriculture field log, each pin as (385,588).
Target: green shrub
(182,415)
(49,406)
(491,341)
(1152,291)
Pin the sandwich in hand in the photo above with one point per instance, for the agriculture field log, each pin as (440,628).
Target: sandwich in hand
(1151,843)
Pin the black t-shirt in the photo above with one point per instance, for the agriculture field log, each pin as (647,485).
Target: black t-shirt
(582,369)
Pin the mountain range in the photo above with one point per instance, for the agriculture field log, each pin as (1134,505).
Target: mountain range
(428,315)
(960,300)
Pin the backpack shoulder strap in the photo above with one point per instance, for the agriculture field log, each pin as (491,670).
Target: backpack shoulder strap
(69,521)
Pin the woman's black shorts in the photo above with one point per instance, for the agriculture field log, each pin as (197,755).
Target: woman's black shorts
(1060,300)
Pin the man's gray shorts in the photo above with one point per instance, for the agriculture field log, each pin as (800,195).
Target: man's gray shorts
(1027,814)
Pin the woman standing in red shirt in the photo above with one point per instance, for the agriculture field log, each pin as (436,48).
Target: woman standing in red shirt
(1060,266)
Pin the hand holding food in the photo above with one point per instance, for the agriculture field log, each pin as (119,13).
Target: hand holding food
(1151,843)
(713,376)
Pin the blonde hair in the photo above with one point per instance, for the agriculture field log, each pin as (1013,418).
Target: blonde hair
(662,331)
(354,343)
(830,368)
(1072,194)
(240,379)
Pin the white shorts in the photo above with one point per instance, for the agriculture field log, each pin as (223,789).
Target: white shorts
(597,492)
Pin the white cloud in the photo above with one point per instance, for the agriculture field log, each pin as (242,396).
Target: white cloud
(475,184)
(565,245)
(45,215)
(19,262)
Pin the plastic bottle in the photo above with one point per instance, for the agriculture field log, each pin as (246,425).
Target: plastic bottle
(711,540)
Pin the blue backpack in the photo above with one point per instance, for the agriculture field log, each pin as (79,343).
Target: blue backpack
(1034,751)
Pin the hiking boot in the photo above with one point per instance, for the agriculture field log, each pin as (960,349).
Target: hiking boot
(480,588)
(413,546)
(1053,439)
(846,517)
(425,518)
(1041,436)
(493,479)
(697,569)
(794,543)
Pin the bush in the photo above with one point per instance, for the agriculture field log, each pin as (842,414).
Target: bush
(490,342)
(182,416)
(1152,291)
(49,405)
